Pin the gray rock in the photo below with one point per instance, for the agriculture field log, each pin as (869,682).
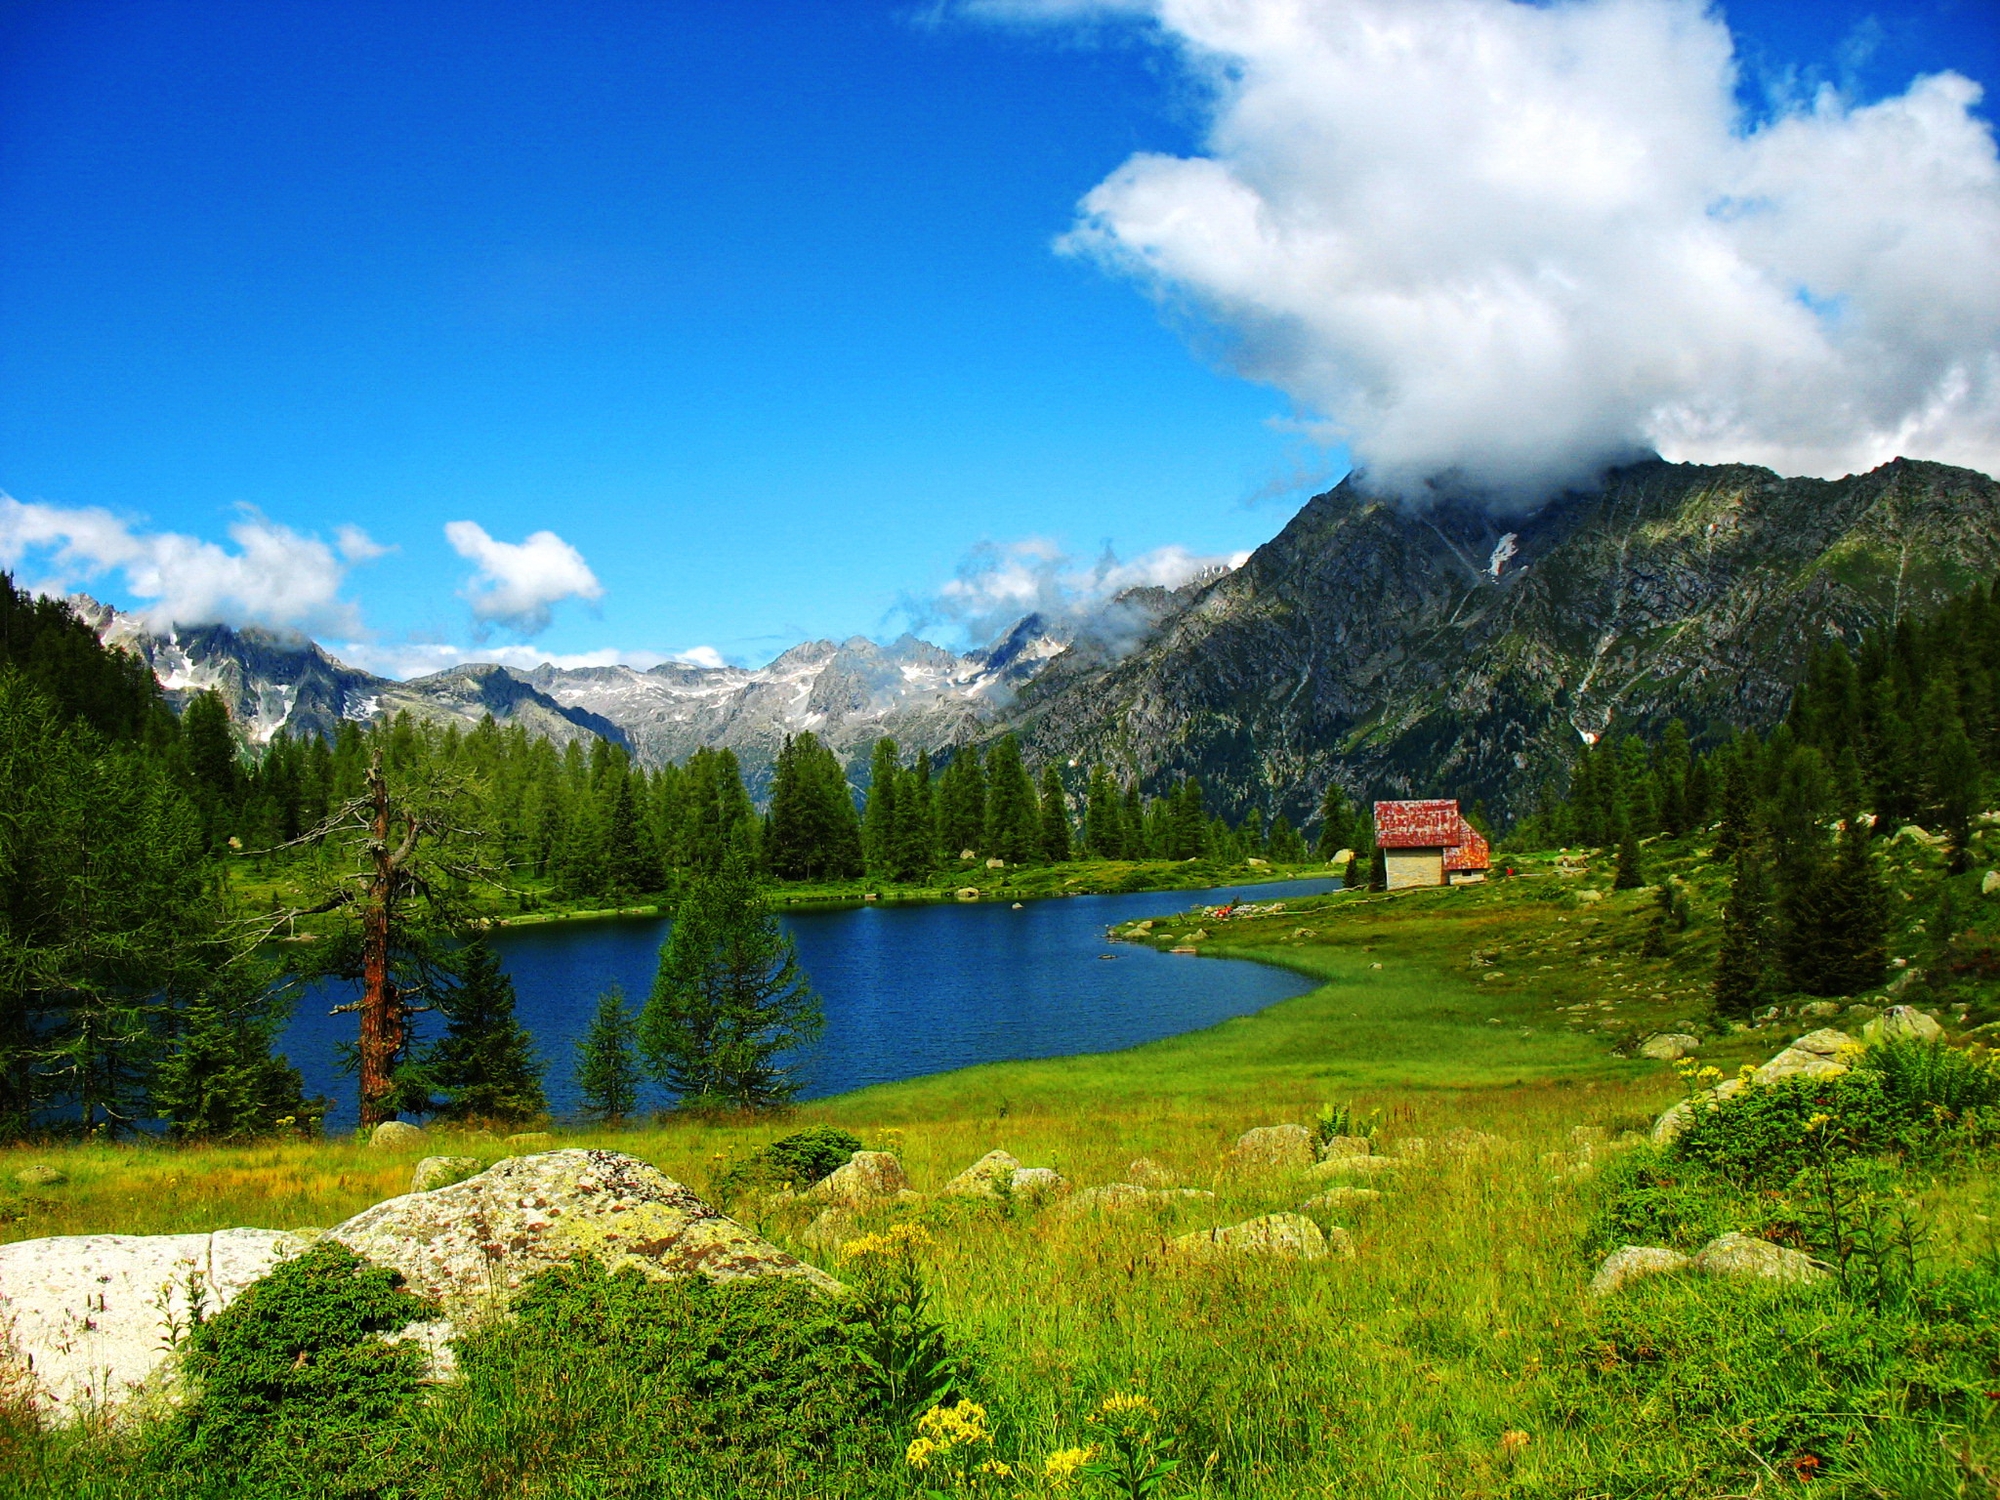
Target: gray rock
(40,1175)
(867,1177)
(1624,1266)
(93,1316)
(1815,1055)
(1125,1197)
(1346,1145)
(1281,1236)
(471,1245)
(1670,1046)
(1037,1184)
(1820,1010)
(992,1176)
(831,1228)
(442,1171)
(1148,1173)
(395,1135)
(1743,1257)
(1355,1166)
(1902,1023)
(1990,883)
(1473,1144)
(1271,1148)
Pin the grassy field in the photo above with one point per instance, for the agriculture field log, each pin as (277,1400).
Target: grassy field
(1457,1353)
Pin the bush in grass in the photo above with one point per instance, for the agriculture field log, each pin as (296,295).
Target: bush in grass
(1920,1100)
(1646,1197)
(293,1372)
(799,1159)
(628,1380)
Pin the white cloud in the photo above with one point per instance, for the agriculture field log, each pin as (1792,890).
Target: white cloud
(1522,240)
(518,583)
(1000,582)
(420,658)
(276,577)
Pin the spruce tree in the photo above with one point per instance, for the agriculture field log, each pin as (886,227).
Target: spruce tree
(916,824)
(1336,822)
(1013,814)
(1802,865)
(879,826)
(1132,823)
(729,1001)
(1187,837)
(1102,838)
(1743,961)
(607,1061)
(1631,872)
(484,1064)
(1055,817)
(1852,909)
(219,1080)
(962,804)
(1671,766)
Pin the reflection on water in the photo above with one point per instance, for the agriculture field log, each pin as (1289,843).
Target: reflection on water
(908,990)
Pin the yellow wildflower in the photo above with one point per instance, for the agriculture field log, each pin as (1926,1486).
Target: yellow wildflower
(893,1243)
(1118,1404)
(1707,1073)
(1817,1120)
(957,1426)
(918,1454)
(1062,1467)
(998,1468)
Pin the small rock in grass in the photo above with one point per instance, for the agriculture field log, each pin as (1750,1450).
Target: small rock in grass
(866,1177)
(1670,1046)
(1744,1257)
(1270,1148)
(1990,883)
(1473,1144)
(1413,1148)
(1346,1145)
(41,1175)
(1148,1173)
(1036,1185)
(1354,1166)
(442,1171)
(1624,1266)
(1903,1023)
(984,1177)
(1281,1236)
(395,1135)
(1586,1137)
(830,1229)
(1820,1010)
(530,1140)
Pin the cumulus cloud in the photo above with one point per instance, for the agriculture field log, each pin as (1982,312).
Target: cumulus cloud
(275,576)
(407,659)
(518,583)
(1518,241)
(998,583)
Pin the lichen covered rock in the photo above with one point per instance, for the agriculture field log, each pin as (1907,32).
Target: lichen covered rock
(1744,1257)
(1282,1236)
(441,1171)
(1630,1263)
(1271,1148)
(395,1135)
(992,1176)
(867,1177)
(471,1245)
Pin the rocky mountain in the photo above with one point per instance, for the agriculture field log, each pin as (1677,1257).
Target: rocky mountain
(1450,650)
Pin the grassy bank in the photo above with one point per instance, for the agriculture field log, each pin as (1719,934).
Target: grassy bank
(1457,1353)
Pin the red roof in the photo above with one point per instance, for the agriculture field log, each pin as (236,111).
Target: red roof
(1432,825)
(1417,825)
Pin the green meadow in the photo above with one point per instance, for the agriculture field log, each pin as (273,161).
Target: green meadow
(1457,1352)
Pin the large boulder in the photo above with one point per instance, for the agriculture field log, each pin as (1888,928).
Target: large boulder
(471,1245)
(1818,1054)
(395,1135)
(1271,1148)
(1903,1023)
(93,1317)
(1743,1257)
(866,1178)
(1340,1146)
(1279,1236)
(1629,1263)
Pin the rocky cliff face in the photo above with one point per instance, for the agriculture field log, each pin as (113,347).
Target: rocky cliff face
(1451,651)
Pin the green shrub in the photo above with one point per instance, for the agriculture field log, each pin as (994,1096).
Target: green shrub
(620,1382)
(293,1370)
(800,1159)
(1648,1198)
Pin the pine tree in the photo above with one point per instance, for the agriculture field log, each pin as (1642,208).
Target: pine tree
(916,831)
(1284,844)
(1743,962)
(962,804)
(879,827)
(1132,823)
(484,1064)
(1189,825)
(607,1061)
(1631,872)
(1951,772)
(1055,817)
(1852,912)
(1671,767)
(209,743)
(729,1000)
(1801,866)
(1336,822)
(219,1080)
(1013,815)
(1102,838)
(1738,803)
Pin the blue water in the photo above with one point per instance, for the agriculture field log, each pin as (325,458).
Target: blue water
(908,990)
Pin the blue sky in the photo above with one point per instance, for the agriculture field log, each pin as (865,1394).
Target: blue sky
(757,307)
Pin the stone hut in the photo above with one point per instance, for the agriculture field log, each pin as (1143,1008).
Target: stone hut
(1428,843)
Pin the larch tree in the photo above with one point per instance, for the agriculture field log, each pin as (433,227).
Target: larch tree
(607,1061)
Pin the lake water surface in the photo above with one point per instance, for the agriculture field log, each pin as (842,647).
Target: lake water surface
(908,990)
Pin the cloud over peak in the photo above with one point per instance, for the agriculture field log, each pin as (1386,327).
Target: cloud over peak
(1521,241)
(275,577)
(517,584)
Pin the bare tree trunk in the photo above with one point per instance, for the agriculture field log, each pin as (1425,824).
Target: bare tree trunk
(384,1017)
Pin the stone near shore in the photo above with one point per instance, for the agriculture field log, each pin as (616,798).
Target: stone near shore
(866,1178)
(471,1245)
(92,1317)
(394,1135)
